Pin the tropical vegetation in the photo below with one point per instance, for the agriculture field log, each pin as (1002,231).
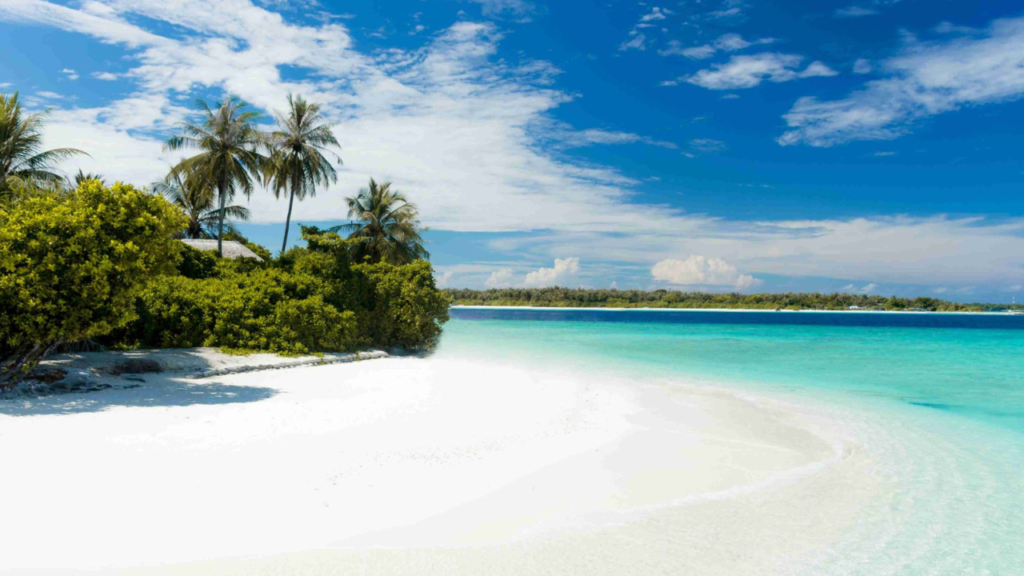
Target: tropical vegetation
(195,197)
(81,261)
(230,158)
(23,162)
(297,162)
(72,265)
(386,224)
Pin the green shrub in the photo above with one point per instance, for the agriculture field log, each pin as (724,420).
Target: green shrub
(405,309)
(72,264)
(197,263)
(310,300)
(269,310)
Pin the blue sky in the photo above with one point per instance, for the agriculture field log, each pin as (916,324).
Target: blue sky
(715,145)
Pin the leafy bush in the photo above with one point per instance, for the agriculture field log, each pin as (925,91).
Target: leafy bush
(405,308)
(72,264)
(310,300)
(266,309)
(197,264)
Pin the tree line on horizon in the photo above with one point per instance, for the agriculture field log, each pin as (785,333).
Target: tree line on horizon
(612,298)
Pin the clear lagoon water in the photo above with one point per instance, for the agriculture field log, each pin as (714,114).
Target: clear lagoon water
(937,400)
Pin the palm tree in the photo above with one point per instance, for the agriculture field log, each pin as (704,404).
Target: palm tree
(20,142)
(196,199)
(297,163)
(386,223)
(229,156)
(84,177)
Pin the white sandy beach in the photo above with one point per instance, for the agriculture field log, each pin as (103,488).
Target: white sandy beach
(419,466)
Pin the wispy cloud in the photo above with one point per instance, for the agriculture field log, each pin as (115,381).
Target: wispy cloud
(70,74)
(724,43)
(862,66)
(637,39)
(924,79)
(750,71)
(854,12)
(520,10)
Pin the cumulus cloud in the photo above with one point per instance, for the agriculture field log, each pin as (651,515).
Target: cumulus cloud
(749,71)
(925,79)
(502,278)
(444,278)
(561,274)
(70,74)
(108,76)
(701,271)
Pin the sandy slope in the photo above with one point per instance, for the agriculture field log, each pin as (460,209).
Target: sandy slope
(416,466)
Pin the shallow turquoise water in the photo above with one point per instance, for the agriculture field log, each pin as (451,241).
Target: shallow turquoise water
(938,404)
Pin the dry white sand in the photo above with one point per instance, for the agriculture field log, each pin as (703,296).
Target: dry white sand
(419,466)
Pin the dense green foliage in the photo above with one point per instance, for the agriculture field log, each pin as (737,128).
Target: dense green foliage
(386,225)
(312,299)
(71,265)
(579,297)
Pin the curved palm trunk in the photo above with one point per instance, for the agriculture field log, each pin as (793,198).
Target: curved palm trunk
(288,220)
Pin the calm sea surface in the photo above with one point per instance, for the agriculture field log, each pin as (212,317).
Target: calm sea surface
(937,398)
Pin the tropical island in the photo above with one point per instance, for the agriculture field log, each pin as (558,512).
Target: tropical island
(610,298)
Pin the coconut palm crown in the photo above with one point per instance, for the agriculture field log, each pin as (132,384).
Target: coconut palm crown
(197,200)
(21,155)
(387,225)
(229,152)
(297,162)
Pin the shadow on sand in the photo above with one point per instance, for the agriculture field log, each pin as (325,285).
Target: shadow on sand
(155,392)
(166,389)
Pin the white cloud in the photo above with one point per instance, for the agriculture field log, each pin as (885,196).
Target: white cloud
(749,71)
(520,10)
(925,79)
(701,271)
(502,278)
(49,95)
(561,274)
(862,66)
(854,12)
(707,145)
(444,278)
(70,74)
(725,43)
(637,42)
(109,76)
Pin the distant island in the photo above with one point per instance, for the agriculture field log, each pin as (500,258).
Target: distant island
(609,298)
